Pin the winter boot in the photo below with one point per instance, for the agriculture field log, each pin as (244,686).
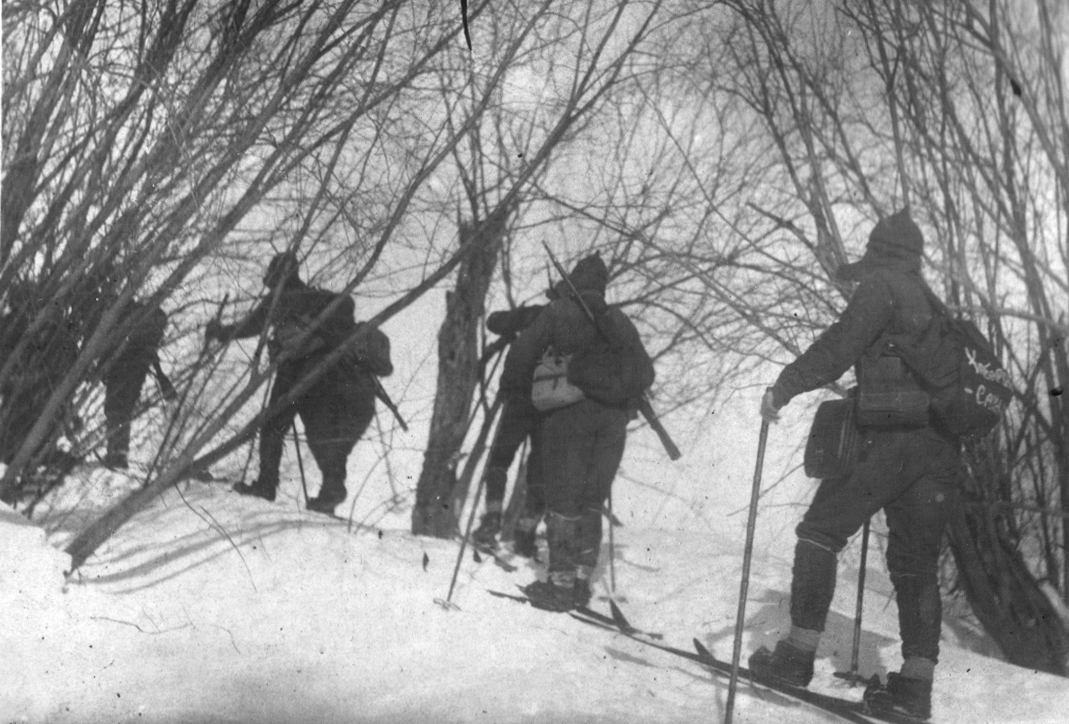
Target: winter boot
(901,695)
(524,539)
(322,505)
(581,592)
(550,596)
(788,664)
(256,490)
(489,527)
(116,460)
(330,496)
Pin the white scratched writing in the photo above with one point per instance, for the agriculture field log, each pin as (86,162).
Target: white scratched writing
(986,371)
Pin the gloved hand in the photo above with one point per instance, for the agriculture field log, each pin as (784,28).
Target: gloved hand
(169,392)
(214,330)
(507,394)
(769,409)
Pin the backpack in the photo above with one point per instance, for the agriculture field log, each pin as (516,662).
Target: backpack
(550,386)
(615,371)
(299,311)
(970,388)
(371,350)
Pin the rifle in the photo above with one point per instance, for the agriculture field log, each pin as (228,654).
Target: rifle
(380,392)
(644,405)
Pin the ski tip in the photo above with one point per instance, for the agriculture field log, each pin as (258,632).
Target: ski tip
(618,616)
(700,648)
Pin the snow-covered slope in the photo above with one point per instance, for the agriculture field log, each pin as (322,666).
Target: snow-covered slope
(210,607)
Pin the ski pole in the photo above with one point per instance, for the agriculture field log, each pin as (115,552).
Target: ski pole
(744,586)
(300,462)
(447,603)
(852,675)
(860,600)
(612,549)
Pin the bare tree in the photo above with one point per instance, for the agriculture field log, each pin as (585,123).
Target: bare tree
(586,52)
(142,138)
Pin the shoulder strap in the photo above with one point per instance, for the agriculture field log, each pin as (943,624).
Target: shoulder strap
(938,305)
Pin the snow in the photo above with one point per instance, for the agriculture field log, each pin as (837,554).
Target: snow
(210,607)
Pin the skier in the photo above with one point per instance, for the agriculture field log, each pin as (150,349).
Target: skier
(520,420)
(337,409)
(583,441)
(908,470)
(133,350)
(38,330)
(124,376)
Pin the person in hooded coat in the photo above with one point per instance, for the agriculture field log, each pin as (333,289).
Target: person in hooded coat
(583,442)
(124,376)
(908,471)
(133,350)
(339,406)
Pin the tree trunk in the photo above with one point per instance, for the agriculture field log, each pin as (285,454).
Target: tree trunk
(1002,591)
(436,512)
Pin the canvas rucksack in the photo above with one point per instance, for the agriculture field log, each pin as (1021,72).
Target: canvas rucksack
(970,388)
(299,331)
(615,371)
(371,350)
(550,388)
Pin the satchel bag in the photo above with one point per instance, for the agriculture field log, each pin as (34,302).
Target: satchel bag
(550,388)
(831,450)
(889,394)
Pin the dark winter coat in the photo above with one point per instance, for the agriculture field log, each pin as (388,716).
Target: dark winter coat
(888,304)
(140,346)
(565,326)
(297,308)
(338,408)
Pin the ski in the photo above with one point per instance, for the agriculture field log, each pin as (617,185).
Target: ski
(140,471)
(583,613)
(845,709)
(501,561)
(857,706)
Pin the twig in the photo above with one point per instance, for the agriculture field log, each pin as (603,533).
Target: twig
(130,623)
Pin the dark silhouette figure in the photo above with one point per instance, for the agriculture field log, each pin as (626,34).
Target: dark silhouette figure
(37,345)
(338,407)
(124,376)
